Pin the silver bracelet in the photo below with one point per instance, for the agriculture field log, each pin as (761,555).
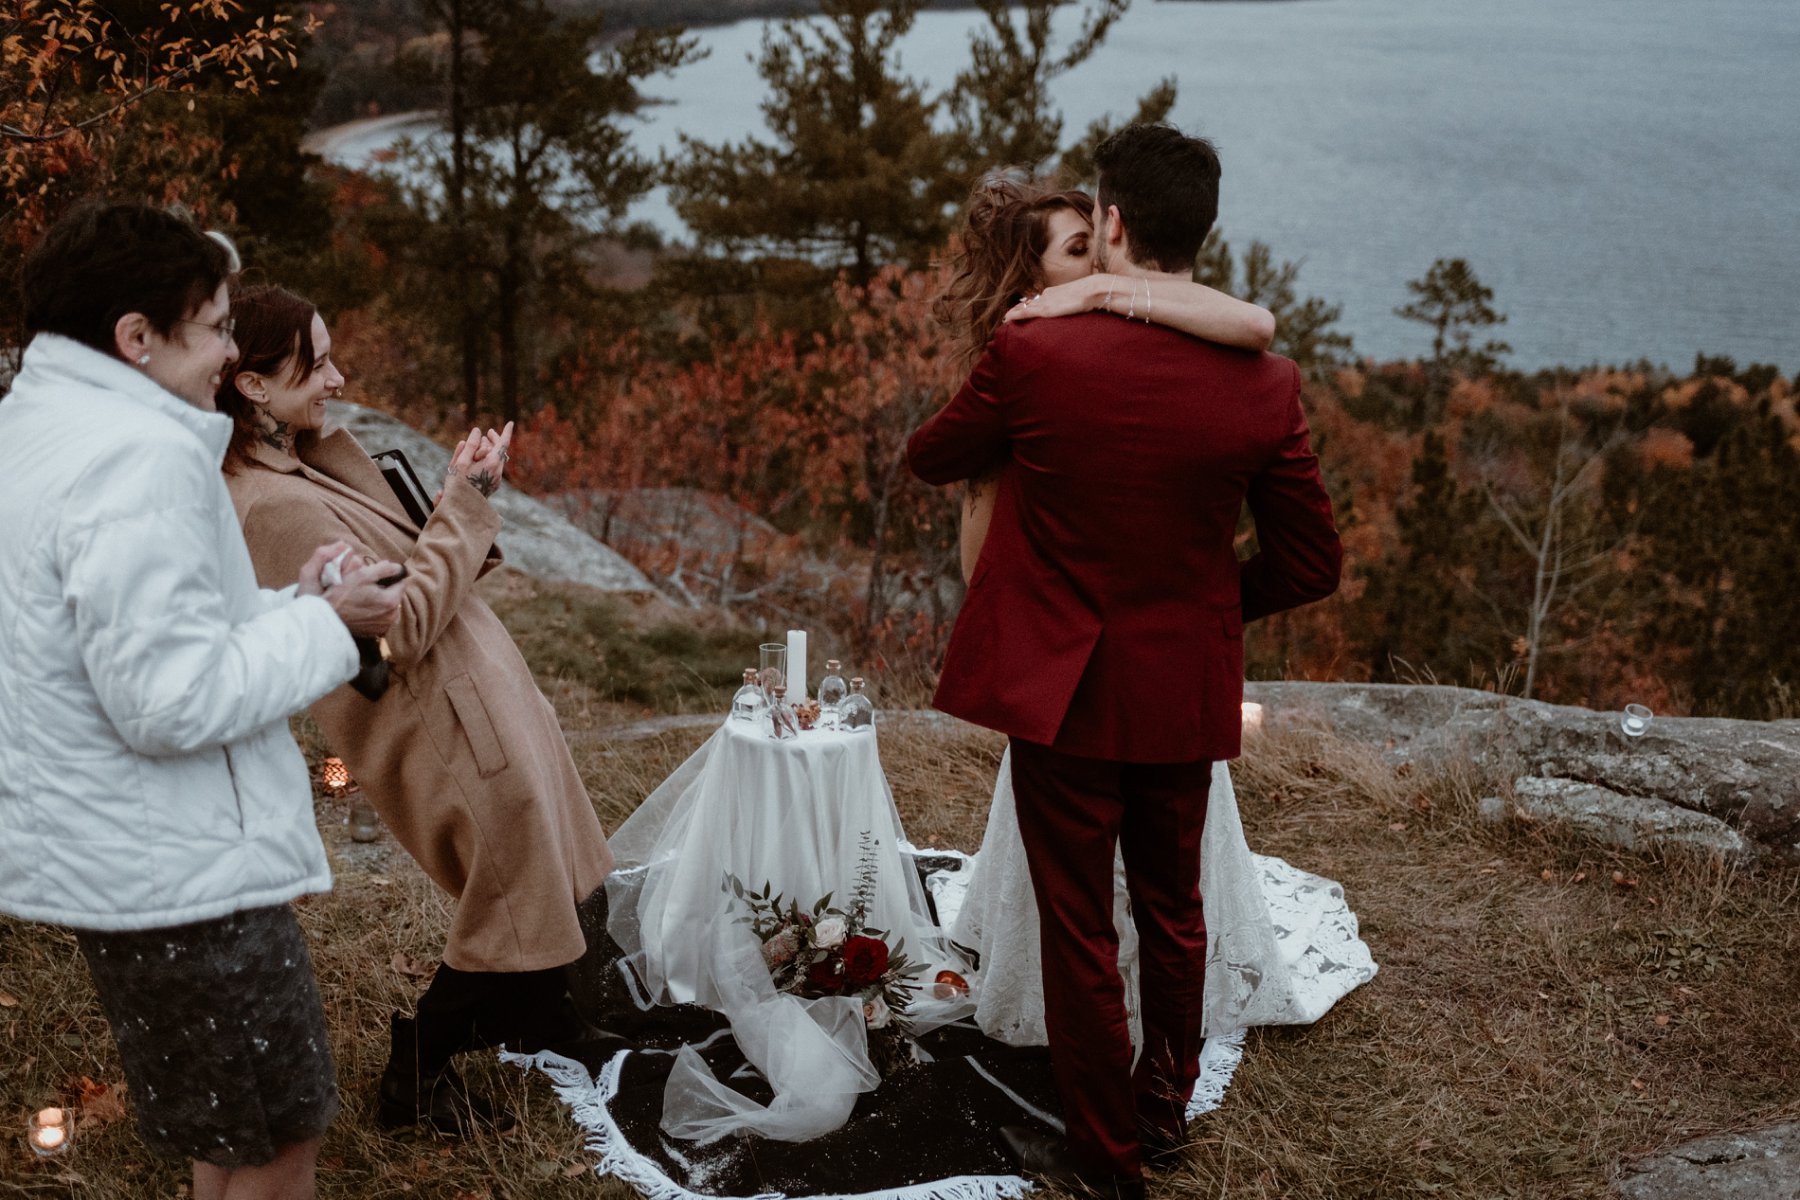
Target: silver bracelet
(1131,308)
(1107,303)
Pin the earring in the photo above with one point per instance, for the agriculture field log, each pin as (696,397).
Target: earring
(143,360)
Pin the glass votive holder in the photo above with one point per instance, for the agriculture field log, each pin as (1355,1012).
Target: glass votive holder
(365,823)
(1253,717)
(49,1132)
(772,665)
(1635,720)
(949,986)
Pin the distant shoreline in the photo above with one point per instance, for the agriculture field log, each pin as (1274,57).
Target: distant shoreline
(704,14)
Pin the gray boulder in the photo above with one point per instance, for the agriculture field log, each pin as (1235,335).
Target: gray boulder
(535,539)
(1764,1165)
(1632,822)
(1745,775)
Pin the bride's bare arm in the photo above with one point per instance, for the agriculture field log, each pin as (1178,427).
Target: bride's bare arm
(1192,308)
(977,512)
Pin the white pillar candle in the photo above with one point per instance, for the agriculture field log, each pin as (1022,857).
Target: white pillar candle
(1253,715)
(796,676)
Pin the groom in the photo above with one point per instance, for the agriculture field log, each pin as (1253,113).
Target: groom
(1103,632)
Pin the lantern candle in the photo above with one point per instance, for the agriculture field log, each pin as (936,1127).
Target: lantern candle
(49,1135)
(1253,716)
(336,776)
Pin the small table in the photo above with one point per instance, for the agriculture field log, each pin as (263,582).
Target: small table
(799,814)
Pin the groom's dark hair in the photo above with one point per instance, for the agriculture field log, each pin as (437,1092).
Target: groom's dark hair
(1166,186)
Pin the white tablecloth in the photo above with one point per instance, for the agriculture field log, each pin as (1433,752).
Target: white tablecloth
(793,813)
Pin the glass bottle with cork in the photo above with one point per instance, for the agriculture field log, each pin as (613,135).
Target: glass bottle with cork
(856,710)
(832,691)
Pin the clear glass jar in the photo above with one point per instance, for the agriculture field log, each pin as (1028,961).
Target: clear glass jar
(748,704)
(856,710)
(832,691)
(772,669)
(365,824)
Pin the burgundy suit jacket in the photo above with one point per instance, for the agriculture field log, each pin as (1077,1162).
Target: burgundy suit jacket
(1105,616)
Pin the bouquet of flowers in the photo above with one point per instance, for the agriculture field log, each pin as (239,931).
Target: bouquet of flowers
(826,950)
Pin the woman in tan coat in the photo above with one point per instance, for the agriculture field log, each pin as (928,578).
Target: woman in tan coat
(461,755)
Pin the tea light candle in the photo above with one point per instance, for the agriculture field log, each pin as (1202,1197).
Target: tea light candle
(1253,716)
(949,985)
(48,1133)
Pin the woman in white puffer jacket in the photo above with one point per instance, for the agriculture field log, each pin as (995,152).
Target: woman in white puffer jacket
(151,796)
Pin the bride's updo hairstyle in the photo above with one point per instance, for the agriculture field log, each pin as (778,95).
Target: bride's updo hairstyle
(274,327)
(995,259)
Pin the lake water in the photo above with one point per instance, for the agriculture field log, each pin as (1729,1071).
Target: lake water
(1625,174)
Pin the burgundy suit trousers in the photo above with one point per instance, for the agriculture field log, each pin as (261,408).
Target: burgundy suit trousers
(1072,812)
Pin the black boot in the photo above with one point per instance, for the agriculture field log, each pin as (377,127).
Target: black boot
(596,981)
(420,1087)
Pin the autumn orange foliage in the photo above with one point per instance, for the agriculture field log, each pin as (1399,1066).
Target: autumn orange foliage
(768,475)
(71,72)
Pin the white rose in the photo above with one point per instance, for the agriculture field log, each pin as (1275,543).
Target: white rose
(876,1013)
(830,933)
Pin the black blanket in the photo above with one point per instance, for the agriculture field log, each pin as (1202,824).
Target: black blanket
(930,1129)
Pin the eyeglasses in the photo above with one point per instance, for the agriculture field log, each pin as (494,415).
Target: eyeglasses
(224,328)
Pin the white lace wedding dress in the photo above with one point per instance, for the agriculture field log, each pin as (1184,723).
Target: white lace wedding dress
(1282,944)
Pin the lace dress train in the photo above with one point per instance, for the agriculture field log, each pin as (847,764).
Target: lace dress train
(1282,943)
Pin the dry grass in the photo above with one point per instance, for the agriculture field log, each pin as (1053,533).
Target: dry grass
(1524,1036)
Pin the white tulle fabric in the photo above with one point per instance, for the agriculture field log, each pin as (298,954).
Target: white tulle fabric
(797,815)
(1282,944)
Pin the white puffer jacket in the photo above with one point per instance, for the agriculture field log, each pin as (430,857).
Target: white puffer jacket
(147,775)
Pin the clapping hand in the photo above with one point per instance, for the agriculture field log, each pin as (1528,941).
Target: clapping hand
(480,458)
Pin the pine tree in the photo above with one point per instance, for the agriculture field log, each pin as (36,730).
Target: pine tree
(536,168)
(1001,104)
(1454,304)
(1423,631)
(854,175)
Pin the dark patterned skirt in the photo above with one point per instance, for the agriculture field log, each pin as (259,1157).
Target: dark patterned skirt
(222,1034)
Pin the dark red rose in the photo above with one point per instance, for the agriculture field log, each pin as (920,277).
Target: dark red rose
(823,976)
(865,958)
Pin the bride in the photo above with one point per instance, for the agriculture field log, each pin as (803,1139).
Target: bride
(1282,944)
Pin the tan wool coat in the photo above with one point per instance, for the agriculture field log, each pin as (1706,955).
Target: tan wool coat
(462,756)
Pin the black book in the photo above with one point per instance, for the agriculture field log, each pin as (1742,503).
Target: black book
(404,480)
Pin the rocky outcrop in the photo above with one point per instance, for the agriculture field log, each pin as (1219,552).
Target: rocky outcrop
(1629,821)
(535,539)
(1764,1165)
(1743,776)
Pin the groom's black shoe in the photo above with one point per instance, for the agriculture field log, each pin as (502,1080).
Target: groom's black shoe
(1044,1157)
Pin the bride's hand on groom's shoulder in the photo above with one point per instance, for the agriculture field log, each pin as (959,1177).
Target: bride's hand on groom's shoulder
(1063,300)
